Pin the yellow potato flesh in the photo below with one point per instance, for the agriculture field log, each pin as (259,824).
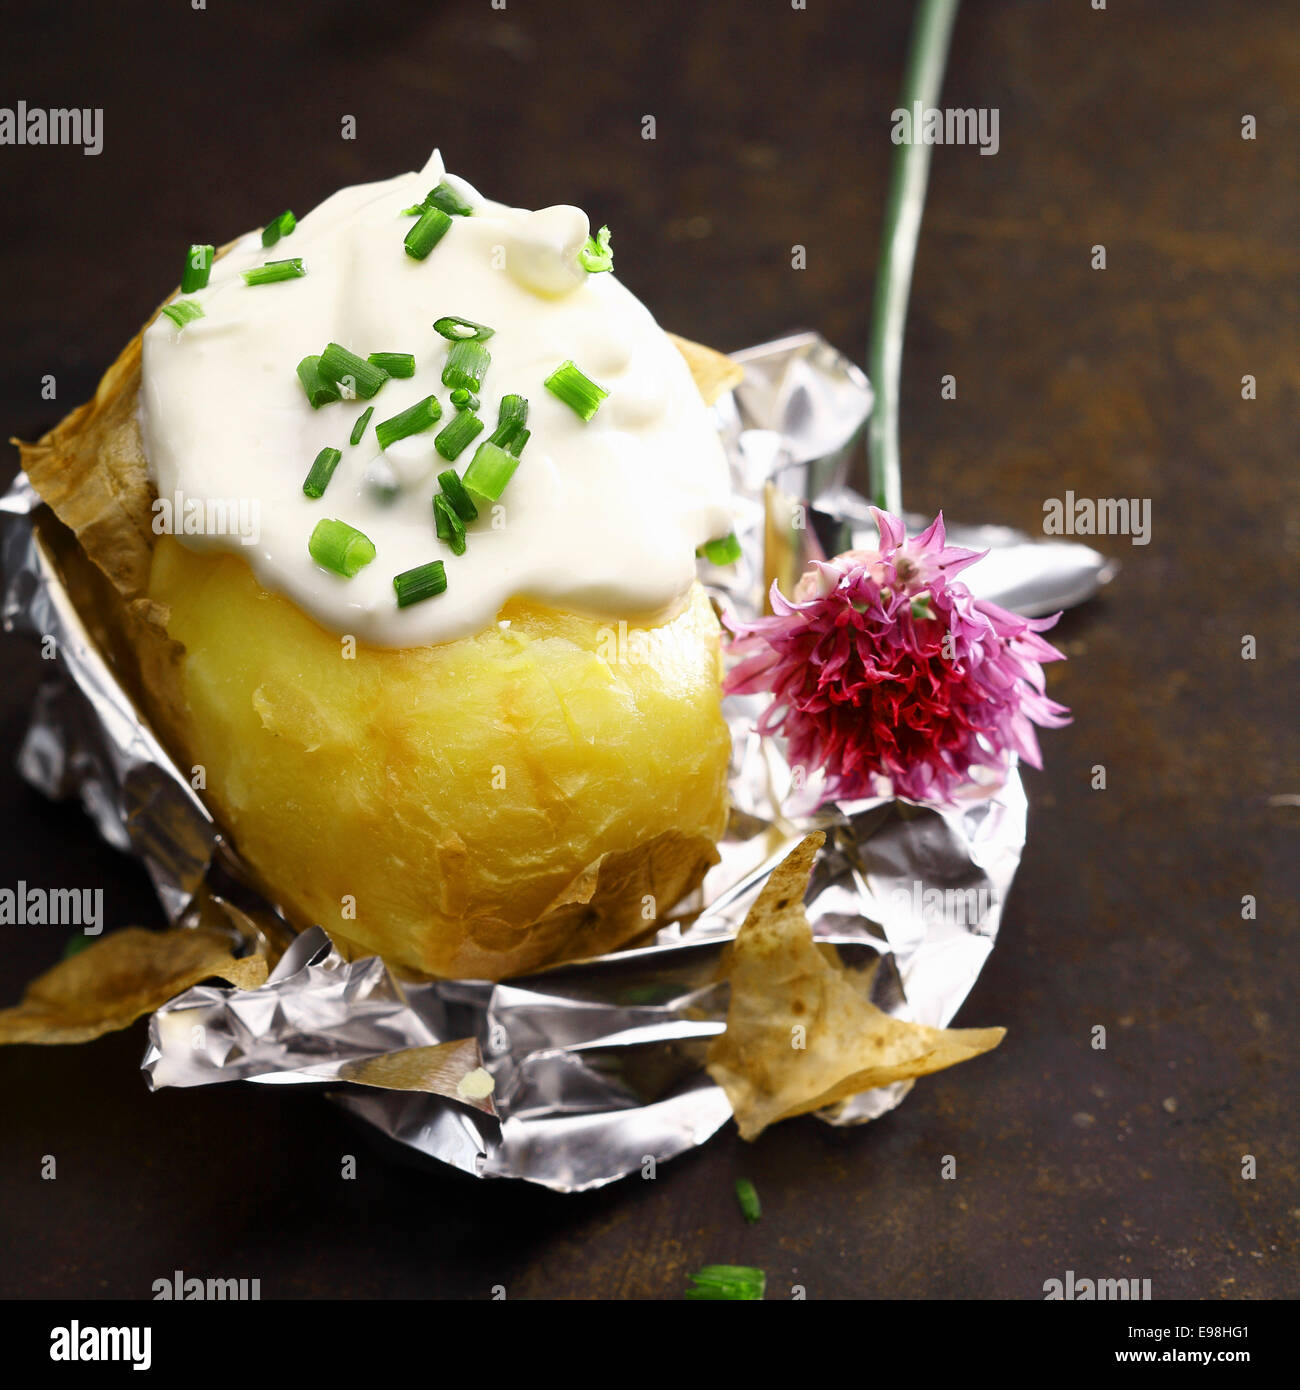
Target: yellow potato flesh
(433,804)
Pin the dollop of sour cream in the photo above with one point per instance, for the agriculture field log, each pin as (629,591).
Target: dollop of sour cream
(601,517)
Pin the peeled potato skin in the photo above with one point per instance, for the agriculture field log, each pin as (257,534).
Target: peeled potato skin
(459,795)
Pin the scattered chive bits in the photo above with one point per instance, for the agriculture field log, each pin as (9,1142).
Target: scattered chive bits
(449,481)
(446,198)
(319,391)
(734,1282)
(411,421)
(273,271)
(510,420)
(281,226)
(427,233)
(340,548)
(183,311)
(321,472)
(490,470)
(454,436)
(425,581)
(577,391)
(449,526)
(399,364)
(597,254)
(721,552)
(458,329)
(198,267)
(747,1196)
(521,438)
(360,427)
(466,365)
(342,368)
(464,400)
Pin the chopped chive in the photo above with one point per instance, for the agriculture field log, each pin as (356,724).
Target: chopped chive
(341,367)
(425,581)
(458,329)
(490,470)
(721,552)
(198,267)
(360,427)
(272,271)
(449,526)
(281,226)
(597,254)
(427,233)
(321,472)
(457,433)
(411,421)
(516,445)
(446,198)
(735,1282)
(511,415)
(467,362)
(747,1196)
(319,391)
(340,547)
(577,391)
(401,364)
(464,400)
(451,484)
(414,210)
(183,311)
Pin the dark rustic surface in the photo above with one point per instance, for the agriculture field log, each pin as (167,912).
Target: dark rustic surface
(1119,127)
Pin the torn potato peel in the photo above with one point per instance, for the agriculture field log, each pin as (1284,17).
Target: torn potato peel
(801,1032)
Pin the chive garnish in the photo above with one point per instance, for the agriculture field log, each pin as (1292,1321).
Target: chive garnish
(516,445)
(597,254)
(511,415)
(344,368)
(451,484)
(427,233)
(360,427)
(198,267)
(400,364)
(464,400)
(272,271)
(577,391)
(467,363)
(490,470)
(747,1196)
(281,226)
(457,433)
(735,1282)
(459,329)
(319,391)
(721,552)
(446,198)
(340,548)
(423,582)
(321,472)
(183,311)
(411,421)
(449,526)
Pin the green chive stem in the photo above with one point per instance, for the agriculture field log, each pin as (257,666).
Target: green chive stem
(340,548)
(321,472)
(411,421)
(927,56)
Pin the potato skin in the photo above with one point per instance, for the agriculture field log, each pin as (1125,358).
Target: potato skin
(533,793)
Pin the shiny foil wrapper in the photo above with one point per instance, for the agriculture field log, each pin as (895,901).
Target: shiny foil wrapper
(598,1065)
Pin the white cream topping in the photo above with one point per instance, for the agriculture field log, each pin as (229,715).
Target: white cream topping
(602,517)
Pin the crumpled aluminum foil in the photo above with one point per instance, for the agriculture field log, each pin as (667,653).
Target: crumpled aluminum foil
(599,1065)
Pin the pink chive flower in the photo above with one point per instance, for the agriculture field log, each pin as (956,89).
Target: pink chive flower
(889,677)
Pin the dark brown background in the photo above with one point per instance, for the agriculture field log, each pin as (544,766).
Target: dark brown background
(1118,127)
